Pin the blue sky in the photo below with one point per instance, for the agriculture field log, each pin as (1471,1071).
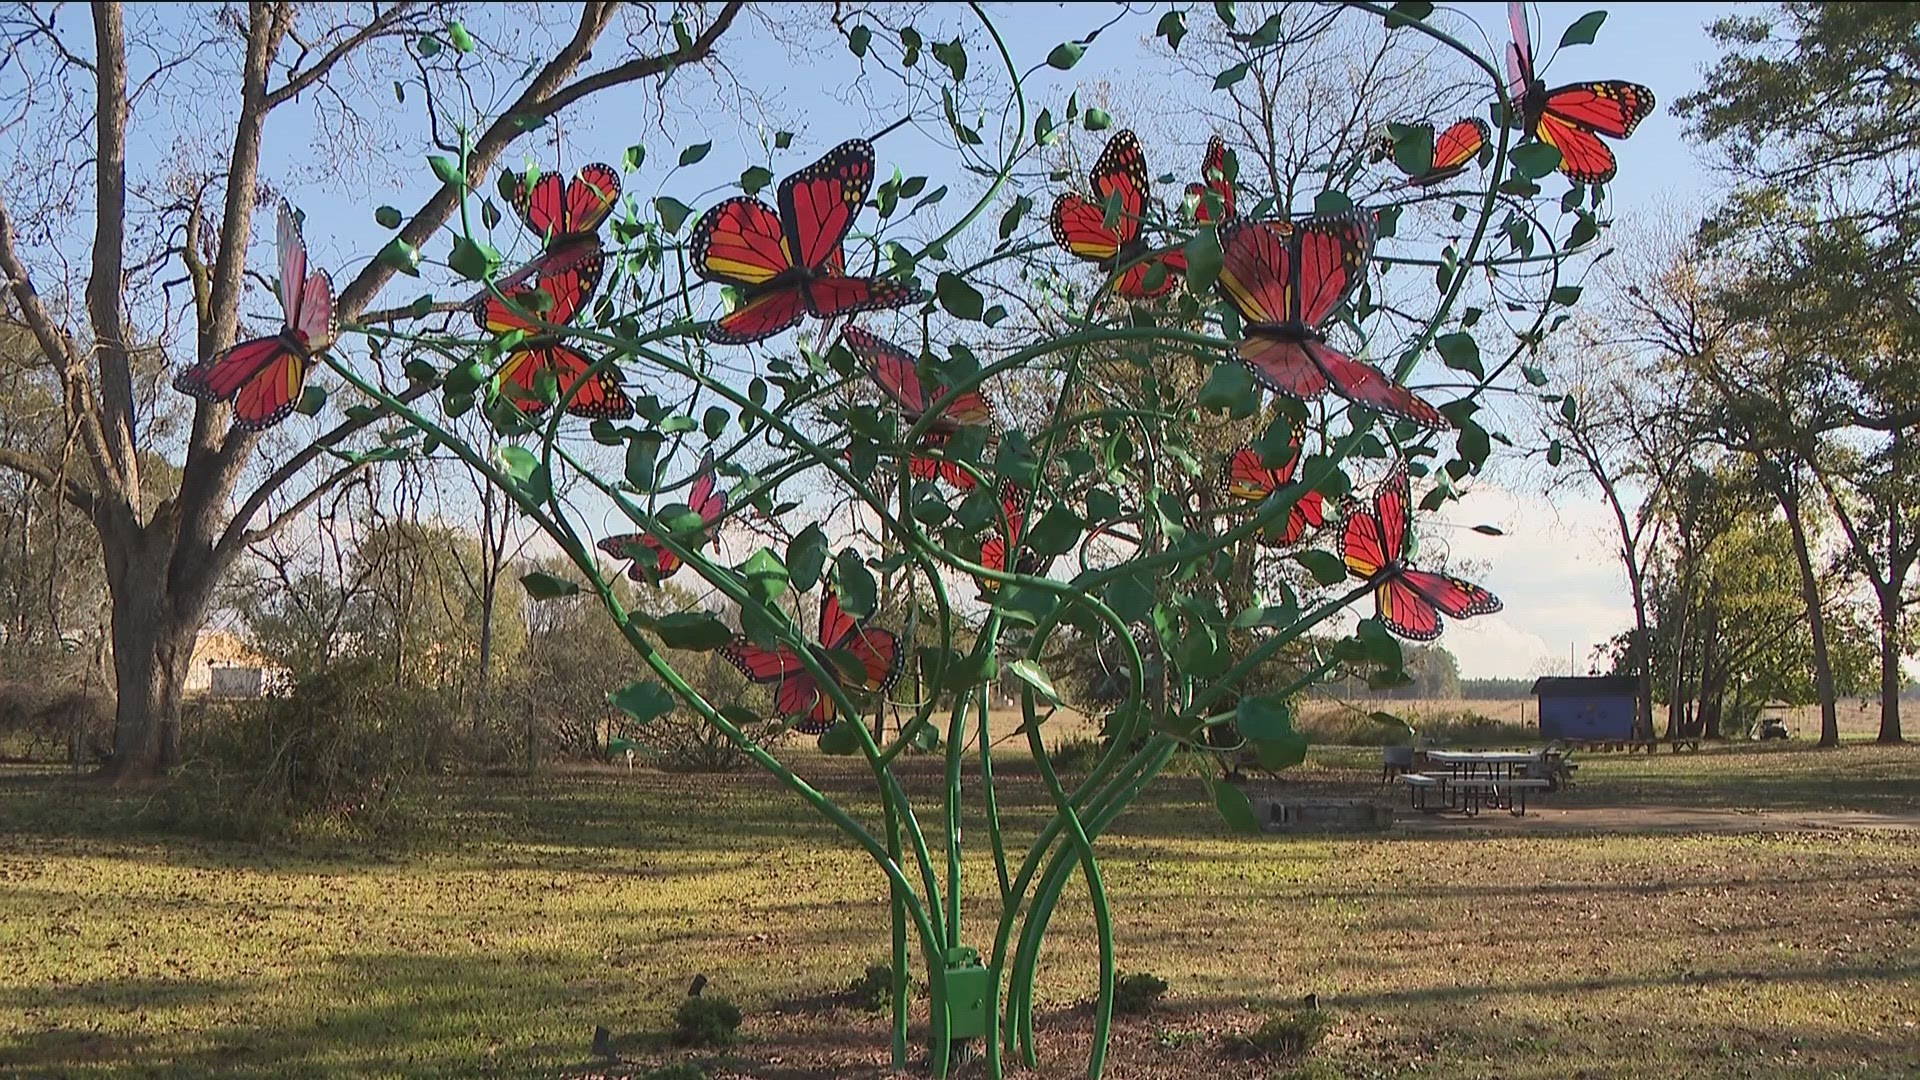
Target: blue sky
(1554,568)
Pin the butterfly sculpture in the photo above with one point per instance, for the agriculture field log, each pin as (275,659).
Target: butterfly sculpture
(790,262)
(1409,601)
(1213,170)
(652,562)
(1250,481)
(1014,501)
(1287,278)
(894,369)
(550,291)
(552,300)
(567,218)
(1080,225)
(1452,151)
(1572,118)
(263,377)
(796,693)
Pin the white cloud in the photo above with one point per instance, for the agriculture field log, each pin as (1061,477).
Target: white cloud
(1554,568)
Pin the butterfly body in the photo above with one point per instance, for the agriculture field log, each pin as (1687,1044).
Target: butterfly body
(788,262)
(1080,225)
(1572,118)
(1288,278)
(551,290)
(1410,601)
(1249,480)
(797,693)
(652,562)
(1014,504)
(1453,149)
(1213,168)
(896,372)
(263,377)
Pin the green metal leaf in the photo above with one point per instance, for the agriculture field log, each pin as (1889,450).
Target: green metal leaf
(1534,160)
(1268,719)
(1326,567)
(389,217)
(1129,597)
(1204,259)
(312,400)
(695,631)
(1235,809)
(854,583)
(961,300)
(544,586)
(462,40)
(673,213)
(859,39)
(1035,676)
(1413,148)
(1381,646)
(1066,54)
(1173,27)
(1584,29)
(1229,388)
(807,557)
(401,256)
(1275,444)
(840,740)
(645,701)
(696,153)
(472,259)
(766,576)
(1057,531)
(1408,12)
(1462,353)
(1230,76)
(447,169)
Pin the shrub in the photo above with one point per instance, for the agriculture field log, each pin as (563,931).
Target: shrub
(1292,1033)
(1137,992)
(1462,728)
(706,1021)
(872,991)
(343,746)
(1076,754)
(46,721)
(679,1070)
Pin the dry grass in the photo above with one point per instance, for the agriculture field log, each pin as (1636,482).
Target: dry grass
(547,906)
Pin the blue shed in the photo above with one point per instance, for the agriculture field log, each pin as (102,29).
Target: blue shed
(1598,707)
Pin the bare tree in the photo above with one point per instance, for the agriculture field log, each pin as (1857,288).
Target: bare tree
(164,556)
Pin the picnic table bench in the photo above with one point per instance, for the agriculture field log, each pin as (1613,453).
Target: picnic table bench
(1486,779)
(1471,795)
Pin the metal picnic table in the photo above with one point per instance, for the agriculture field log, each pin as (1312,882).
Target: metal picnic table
(1476,780)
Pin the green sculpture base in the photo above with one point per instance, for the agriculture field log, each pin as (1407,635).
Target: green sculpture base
(971,998)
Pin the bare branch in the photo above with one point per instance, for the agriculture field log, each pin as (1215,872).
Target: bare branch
(280,520)
(382,23)
(236,536)
(546,94)
(105,282)
(46,474)
(57,345)
(53,341)
(646,66)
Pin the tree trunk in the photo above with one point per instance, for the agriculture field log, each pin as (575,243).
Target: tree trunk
(1890,665)
(153,632)
(1816,617)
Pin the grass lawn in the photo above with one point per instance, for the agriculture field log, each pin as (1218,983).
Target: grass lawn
(539,908)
